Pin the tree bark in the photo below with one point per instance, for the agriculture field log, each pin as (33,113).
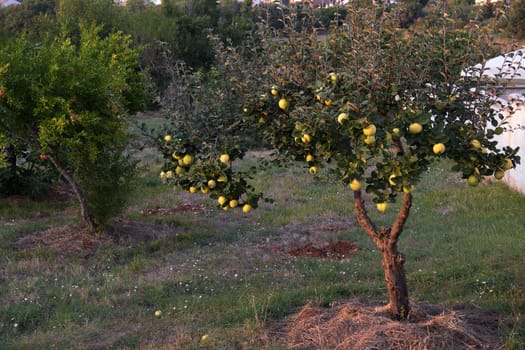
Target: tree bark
(79,193)
(386,239)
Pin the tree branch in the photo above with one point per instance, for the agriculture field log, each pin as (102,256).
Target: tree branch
(401,218)
(364,220)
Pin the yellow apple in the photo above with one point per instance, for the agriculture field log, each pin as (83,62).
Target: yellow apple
(370,139)
(342,117)
(167,138)
(193,189)
(408,189)
(274,90)
(415,128)
(475,143)
(211,184)
(391,180)
(246,208)
(355,185)
(382,206)
(306,138)
(169,174)
(178,170)
(234,203)
(313,170)
(396,132)
(224,158)
(205,189)
(187,159)
(309,158)
(369,130)
(328,102)
(222,178)
(283,103)
(222,200)
(333,77)
(438,148)
(158,313)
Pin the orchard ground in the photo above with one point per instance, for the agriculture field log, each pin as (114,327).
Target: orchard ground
(229,280)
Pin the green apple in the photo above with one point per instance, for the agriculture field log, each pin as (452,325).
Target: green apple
(473,180)
(508,164)
(498,174)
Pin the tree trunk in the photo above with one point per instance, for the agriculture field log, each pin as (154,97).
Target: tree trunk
(396,283)
(386,239)
(79,193)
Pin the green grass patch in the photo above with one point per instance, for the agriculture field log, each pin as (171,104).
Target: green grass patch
(226,275)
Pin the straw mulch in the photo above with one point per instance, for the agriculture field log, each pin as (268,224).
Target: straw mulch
(354,325)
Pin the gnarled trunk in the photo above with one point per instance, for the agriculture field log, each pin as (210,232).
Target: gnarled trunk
(386,239)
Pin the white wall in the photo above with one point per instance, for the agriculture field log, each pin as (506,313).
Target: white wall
(515,178)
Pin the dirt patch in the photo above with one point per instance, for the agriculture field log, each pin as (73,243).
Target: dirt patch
(183,208)
(356,325)
(335,250)
(75,239)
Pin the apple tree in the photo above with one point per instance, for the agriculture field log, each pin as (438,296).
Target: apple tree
(67,101)
(373,104)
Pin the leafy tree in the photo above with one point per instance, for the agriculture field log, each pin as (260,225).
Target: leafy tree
(371,104)
(34,18)
(516,18)
(67,102)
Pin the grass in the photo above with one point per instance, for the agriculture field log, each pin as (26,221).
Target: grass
(221,278)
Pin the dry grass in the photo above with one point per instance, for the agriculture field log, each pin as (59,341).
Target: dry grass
(353,325)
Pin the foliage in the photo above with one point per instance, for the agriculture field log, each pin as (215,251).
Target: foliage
(373,104)
(516,18)
(34,18)
(67,103)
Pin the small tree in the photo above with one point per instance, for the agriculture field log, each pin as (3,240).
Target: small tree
(67,102)
(372,104)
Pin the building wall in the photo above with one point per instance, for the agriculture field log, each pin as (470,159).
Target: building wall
(515,178)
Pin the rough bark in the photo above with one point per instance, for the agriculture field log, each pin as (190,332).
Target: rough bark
(386,239)
(79,193)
